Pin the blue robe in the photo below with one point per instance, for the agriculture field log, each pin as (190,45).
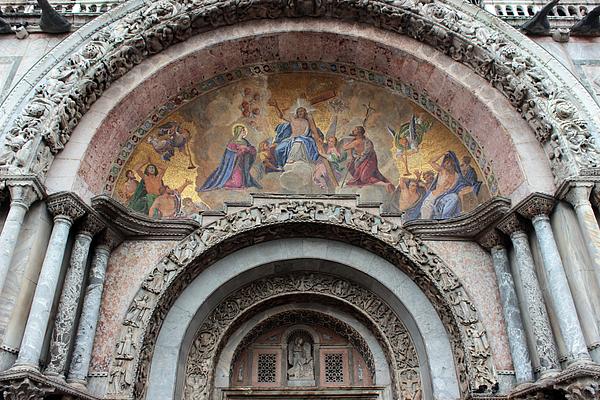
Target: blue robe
(284,141)
(221,175)
(471,178)
(447,204)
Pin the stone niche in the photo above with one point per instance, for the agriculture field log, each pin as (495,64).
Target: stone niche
(300,356)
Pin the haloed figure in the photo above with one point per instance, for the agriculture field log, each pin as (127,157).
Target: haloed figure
(234,170)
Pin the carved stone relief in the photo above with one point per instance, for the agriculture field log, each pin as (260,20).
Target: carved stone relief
(273,221)
(552,110)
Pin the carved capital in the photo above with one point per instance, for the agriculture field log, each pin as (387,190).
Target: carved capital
(65,205)
(578,194)
(23,196)
(585,388)
(25,389)
(91,225)
(490,239)
(536,204)
(511,224)
(110,238)
(23,189)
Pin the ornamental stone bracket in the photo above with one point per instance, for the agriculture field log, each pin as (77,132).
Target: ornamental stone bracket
(23,180)
(540,90)
(32,385)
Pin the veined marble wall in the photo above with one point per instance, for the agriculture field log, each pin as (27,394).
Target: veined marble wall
(127,266)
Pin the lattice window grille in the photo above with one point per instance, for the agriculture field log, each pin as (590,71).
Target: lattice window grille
(334,368)
(267,368)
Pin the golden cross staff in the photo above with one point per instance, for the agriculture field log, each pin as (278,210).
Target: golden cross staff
(368,113)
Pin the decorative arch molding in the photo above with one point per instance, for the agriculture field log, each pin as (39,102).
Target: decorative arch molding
(387,326)
(254,225)
(538,87)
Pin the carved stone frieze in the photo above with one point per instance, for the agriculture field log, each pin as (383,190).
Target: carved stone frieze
(536,204)
(298,219)
(66,205)
(536,92)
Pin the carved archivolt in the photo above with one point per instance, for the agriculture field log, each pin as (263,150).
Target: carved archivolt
(297,219)
(214,331)
(46,122)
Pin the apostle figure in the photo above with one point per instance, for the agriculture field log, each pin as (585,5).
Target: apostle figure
(148,189)
(295,138)
(442,199)
(363,163)
(301,360)
(234,170)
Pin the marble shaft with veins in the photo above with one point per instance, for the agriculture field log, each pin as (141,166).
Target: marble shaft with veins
(579,197)
(21,199)
(532,297)
(512,315)
(82,352)
(67,308)
(558,287)
(39,314)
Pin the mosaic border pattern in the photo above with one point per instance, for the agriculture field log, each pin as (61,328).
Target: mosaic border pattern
(256,70)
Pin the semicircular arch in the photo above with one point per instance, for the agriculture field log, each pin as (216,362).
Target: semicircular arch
(306,219)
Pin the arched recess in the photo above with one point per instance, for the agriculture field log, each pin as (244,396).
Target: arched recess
(401,251)
(537,86)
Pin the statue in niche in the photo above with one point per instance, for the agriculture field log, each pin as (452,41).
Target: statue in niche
(300,359)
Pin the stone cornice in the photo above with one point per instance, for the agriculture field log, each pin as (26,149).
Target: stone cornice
(578,382)
(467,226)
(133,225)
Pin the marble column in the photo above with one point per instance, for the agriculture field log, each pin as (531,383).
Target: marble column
(21,197)
(64,322)
(517,340)
(538,208)
(532,296)
(579,197)
(84,341)
(65,208)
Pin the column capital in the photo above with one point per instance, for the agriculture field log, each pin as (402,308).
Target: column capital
(490,239)
(24,189)
(511,224)
(91,225)
(536,204)
(110,239)
(578,193)
(67,205)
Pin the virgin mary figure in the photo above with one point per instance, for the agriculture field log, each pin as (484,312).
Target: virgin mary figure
(234,170)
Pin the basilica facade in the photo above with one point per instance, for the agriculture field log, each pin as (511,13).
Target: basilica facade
(303,199)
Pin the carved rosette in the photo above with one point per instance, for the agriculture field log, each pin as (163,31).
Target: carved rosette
(65,205)
(46,122)
(164,283)
(212,334)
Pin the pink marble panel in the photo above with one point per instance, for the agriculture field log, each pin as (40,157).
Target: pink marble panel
(474,268)
(127,266)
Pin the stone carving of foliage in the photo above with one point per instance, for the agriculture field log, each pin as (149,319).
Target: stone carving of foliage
(164,283)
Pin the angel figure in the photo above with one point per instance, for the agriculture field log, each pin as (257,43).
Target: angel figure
(408,138)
